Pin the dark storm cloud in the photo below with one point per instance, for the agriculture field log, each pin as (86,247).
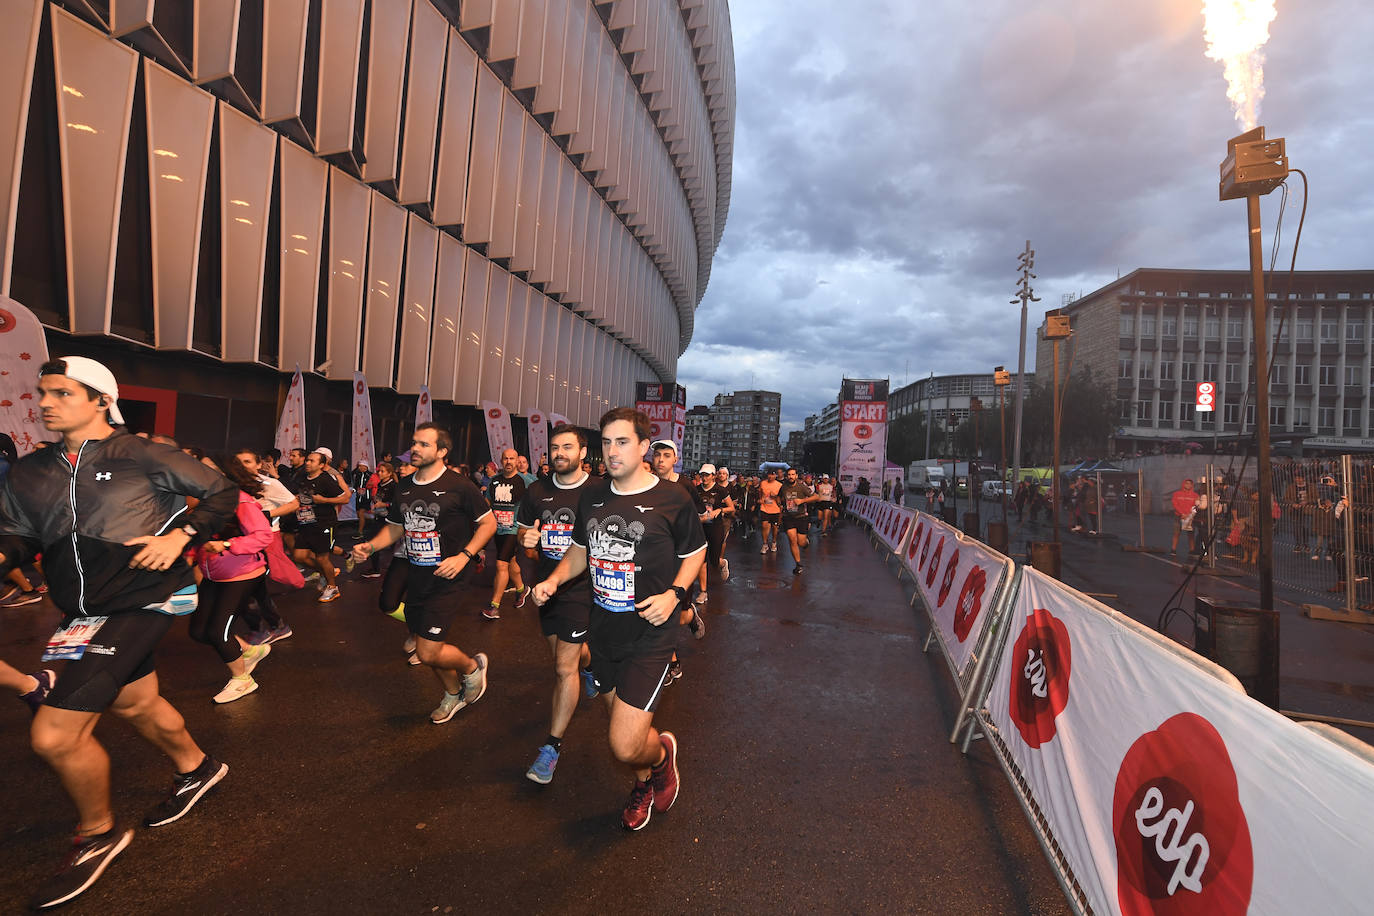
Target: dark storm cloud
(891,160)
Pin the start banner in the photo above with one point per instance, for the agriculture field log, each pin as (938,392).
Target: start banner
(863,431)
(666,408)
(499,434)
(1161,785)
(960,580)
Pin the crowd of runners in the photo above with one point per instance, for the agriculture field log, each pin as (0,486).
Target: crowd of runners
(131,532)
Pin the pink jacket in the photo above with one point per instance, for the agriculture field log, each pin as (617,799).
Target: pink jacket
(245,551)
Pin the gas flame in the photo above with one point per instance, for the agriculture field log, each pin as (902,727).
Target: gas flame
(1235,31)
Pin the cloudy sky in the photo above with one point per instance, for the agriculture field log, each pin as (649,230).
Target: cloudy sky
(893,157)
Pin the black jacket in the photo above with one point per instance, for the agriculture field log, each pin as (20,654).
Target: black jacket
(122,487)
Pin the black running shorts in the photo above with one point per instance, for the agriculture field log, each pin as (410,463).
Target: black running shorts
(315,539)
(634,667)
(801,523)
(506,545)
(566,618)
(431,603)
(120,653)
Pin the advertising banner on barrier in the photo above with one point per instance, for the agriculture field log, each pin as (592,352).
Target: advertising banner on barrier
(499,434)
(864,508)
(893,528)
(959,579)
(863,431)
(1164,787)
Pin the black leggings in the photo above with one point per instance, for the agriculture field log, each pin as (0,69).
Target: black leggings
(213,620)
(715,542)
(264,614)
(394,584)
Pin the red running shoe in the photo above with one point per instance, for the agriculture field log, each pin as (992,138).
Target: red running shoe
(663,777)
(640,807)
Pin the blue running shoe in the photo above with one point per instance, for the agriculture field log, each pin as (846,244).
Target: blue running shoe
(588,683)
(541,771)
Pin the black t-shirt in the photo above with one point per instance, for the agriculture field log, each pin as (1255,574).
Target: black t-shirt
(439,518)
(505,494)
(713,499)
(635,543)
(311,512)
(385,496)
(291,477)
(554,508)
(692,491)
(788,496)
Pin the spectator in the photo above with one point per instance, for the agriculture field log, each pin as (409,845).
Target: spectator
(1184,502)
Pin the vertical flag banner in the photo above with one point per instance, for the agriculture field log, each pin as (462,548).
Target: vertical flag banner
(666,408)
(424,409)
(499,434)
(863,431)
(364,450)
(557,419)
(539,439)
(23,348)
(291,426)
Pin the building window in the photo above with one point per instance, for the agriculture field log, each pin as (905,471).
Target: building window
(1352,376)
(1167,370)
(1326,375)
(1186,412)
(1302,417)
(1350,419)
(1147,369)
(1147,325)
(1354,330)
(1233,373)
(1303,329)
(1144,410)
(1190,326)
(1166,411)
(1302,374)
(1212,324)
(1326,418)
(1230,413)
(1168,326)
(1250,416)
(1280,371)
(1209,371)
(1127,324)
(1123,367)
(1124,408)
(1189,372)
(1235,328)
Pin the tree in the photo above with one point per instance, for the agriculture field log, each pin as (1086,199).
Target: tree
(1087,419)
(906,438)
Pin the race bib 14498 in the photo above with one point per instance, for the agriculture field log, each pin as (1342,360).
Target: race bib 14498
(613,585)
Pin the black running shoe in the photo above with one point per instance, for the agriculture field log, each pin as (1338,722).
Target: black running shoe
(187,791)
(797,570)
(83,866)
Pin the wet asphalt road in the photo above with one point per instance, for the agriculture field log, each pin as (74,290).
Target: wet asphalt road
(816,772)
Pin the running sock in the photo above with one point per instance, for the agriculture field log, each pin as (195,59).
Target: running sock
(555,743)
(196,768)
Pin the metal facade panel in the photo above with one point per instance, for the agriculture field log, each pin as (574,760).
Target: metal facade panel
(534,354)
(350,206)
(303,190)
(429,39)
(505,194)
(566,320)
(476,14)
(95,97)
(513,375)
(549,83)
(216,39)
(129,16)
(385,253)
(247,161)
(494,338)
(569,83)
(180,119)
(460,84)
(530,47)
(386,69)
(472,328)
(283,58)
(422,253)
(18,47)
(547,222)
(341,42)
(504,40)
(486,132)
(448,301)
(528,195)
(548,369)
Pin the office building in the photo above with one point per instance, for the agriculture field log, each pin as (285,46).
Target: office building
(744,429)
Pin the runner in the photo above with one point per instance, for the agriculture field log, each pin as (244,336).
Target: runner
(546,519)
(504,493)
(664,458)
(31,688)
(826,504)
(319,494)
(716,512)
(291,474)
(769,511)
(108,512)
(445,522)
(795,497)
(265,625)
(645,546)
(383,495)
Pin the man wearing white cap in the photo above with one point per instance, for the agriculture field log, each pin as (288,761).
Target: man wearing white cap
(663,457)
(108,512)
(716,509)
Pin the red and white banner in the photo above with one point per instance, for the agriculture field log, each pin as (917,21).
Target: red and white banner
(424,407)
(892,524)
(1165,788)
(959,579)
(863,431)
(557,419)
(499,434)
(666,408)
(291,426)
(364,450)
(539,439)
(23,348)
(864,508)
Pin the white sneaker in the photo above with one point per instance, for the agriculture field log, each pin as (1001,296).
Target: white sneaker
(724,569)
(450,704)
(475,684)
(763,549)
(329,594)
(254,654)
(236,689)
(701,599)
(774,548)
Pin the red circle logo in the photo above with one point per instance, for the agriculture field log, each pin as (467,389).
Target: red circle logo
(925,548)
(7,322)
(1040,662)
(863,431)
(934,568)
(947,584)
(494,413)
(915,546)
(1182,841)
(970,602)
(359,387)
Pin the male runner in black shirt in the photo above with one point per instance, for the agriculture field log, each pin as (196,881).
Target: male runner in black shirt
(445,521)
(664,459)
(504,493)
(642,540)
(320,495)
(716,512)
(795,496)
(546,519)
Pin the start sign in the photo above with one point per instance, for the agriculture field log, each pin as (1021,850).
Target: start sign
(1206,396)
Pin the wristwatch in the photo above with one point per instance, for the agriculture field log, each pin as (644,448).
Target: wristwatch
(189,531)
(679,591)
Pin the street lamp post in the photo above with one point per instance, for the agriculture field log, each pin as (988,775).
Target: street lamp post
(1025,295)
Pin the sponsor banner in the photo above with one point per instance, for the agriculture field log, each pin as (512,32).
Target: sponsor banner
(424,407)
(863,431)
(960,580)
(1164,788)
(499,434)
(557,419)
(291,426)
(864,508)
(364,450)
(666,408)
(23,348)
(539,439)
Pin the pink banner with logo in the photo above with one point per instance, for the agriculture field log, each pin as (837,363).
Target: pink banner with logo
(23,348)
(539,439)
(499,434)
(1164,787)
(291,426)
(424,408)
(364,450)
(557,419)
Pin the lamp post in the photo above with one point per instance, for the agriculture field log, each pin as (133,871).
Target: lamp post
(1025,295)
(1056,329)
(1001,378)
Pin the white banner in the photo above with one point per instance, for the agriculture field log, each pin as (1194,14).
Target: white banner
(863,432)
(291,426)
(424,409)
(539,440)
(864,508)
(1165,788)
(557,419)
(894,526)
(499,434)
(959,580)
(23,348)
(364,450)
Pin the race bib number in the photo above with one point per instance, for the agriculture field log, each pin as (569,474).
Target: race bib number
(555,538)
(69,643)
(306,513)
(613,585)
(505,518)
(791,504)
(769,501)
(422,548)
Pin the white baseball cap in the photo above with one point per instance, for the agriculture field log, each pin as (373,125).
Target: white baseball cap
(328,455)
(707,469)
(96,375)
(663,443)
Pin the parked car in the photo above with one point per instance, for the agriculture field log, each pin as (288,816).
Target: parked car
(994,489)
